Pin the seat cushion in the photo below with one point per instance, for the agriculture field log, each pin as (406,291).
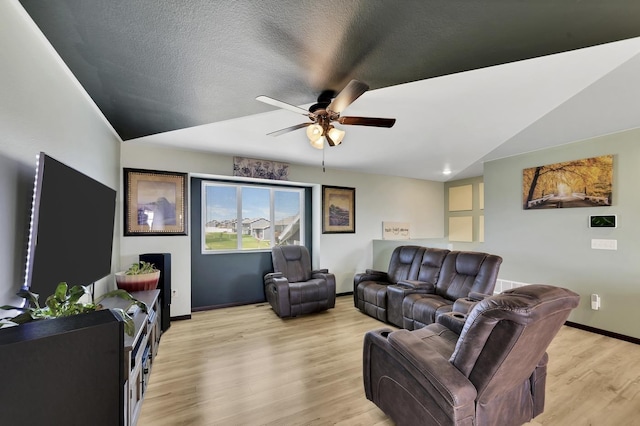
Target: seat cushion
(308,296)
(419,310)
(439,338)
(308,291)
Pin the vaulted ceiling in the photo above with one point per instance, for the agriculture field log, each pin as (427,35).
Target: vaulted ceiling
(467,81)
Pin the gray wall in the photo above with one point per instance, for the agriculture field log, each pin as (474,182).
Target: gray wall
(378,198)
(42,108)
(554,246)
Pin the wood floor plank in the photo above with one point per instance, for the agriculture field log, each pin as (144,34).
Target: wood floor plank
(245,366)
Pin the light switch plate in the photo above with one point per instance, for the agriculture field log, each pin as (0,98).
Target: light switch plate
(599,244)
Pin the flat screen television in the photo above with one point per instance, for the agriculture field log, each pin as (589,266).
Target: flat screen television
(71,230)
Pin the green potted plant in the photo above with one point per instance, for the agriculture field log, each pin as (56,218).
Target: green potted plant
(140,276)
(66,302)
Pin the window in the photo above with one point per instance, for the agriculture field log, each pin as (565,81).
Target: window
(242,217)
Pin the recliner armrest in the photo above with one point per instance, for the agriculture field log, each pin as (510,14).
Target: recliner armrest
(370,275)
(278,280)
(453,388)
(272,276)
(323,273)
(277,284)
(478,296)
(454,321)
(331,284)
(465,304)
(423,286)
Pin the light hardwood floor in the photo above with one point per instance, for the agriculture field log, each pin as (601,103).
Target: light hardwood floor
(245,366)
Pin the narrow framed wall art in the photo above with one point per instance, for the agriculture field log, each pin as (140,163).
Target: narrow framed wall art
(338,210)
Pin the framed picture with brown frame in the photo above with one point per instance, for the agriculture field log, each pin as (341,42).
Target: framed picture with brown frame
(338,210)
(587,182)
(154,202)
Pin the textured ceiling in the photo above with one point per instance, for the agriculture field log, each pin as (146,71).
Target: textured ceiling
(193,68)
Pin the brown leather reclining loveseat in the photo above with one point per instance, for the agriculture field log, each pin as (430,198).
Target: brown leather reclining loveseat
(424,283)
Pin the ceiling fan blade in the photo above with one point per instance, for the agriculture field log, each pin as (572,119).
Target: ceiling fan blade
(368,121)
(283,105)
(289,129)
(350,93)
(329,140)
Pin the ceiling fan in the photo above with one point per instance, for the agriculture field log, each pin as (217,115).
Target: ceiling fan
(326,111)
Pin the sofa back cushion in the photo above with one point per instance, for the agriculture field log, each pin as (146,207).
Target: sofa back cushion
(465,271)
(431,264)
(405,263)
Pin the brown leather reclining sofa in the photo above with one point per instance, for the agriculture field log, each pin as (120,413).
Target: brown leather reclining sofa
(423,284)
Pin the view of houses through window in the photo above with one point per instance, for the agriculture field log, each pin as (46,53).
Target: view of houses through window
(250,217)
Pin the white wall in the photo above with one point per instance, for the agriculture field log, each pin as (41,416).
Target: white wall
(42,108)
(378,199)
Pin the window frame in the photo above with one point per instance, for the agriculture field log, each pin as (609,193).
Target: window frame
(238,186)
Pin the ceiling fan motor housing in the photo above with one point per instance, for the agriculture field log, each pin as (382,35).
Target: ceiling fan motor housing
(324,100)
(321,116)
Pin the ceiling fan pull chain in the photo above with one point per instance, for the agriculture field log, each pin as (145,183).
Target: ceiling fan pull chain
(323,150)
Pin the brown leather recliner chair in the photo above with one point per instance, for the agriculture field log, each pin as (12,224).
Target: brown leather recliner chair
(493,373)
(466,277)
(293,288)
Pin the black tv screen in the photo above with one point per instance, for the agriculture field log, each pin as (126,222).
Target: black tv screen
(71,233)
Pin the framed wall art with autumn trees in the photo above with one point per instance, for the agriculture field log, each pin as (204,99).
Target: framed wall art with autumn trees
(579,183)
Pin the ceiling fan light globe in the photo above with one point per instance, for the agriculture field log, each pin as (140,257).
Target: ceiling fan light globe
(336,135)
(314,132)
(318,143)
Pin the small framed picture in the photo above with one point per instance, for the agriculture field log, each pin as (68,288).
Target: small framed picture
(338,210)
(154,202)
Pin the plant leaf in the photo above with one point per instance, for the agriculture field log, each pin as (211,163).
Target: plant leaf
(61,292)
(129,325)
(22,318)
(12,308)
(52,304)
(76,292)
(25,293)
(122,294)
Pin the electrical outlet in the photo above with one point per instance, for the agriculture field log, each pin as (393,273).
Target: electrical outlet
(595,302)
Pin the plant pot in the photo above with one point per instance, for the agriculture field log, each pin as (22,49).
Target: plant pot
(137,282)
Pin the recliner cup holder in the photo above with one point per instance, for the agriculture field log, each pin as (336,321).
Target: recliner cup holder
(461,316)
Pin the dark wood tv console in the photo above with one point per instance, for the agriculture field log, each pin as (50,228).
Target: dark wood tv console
(66,371)
(63,371)
(139,351)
